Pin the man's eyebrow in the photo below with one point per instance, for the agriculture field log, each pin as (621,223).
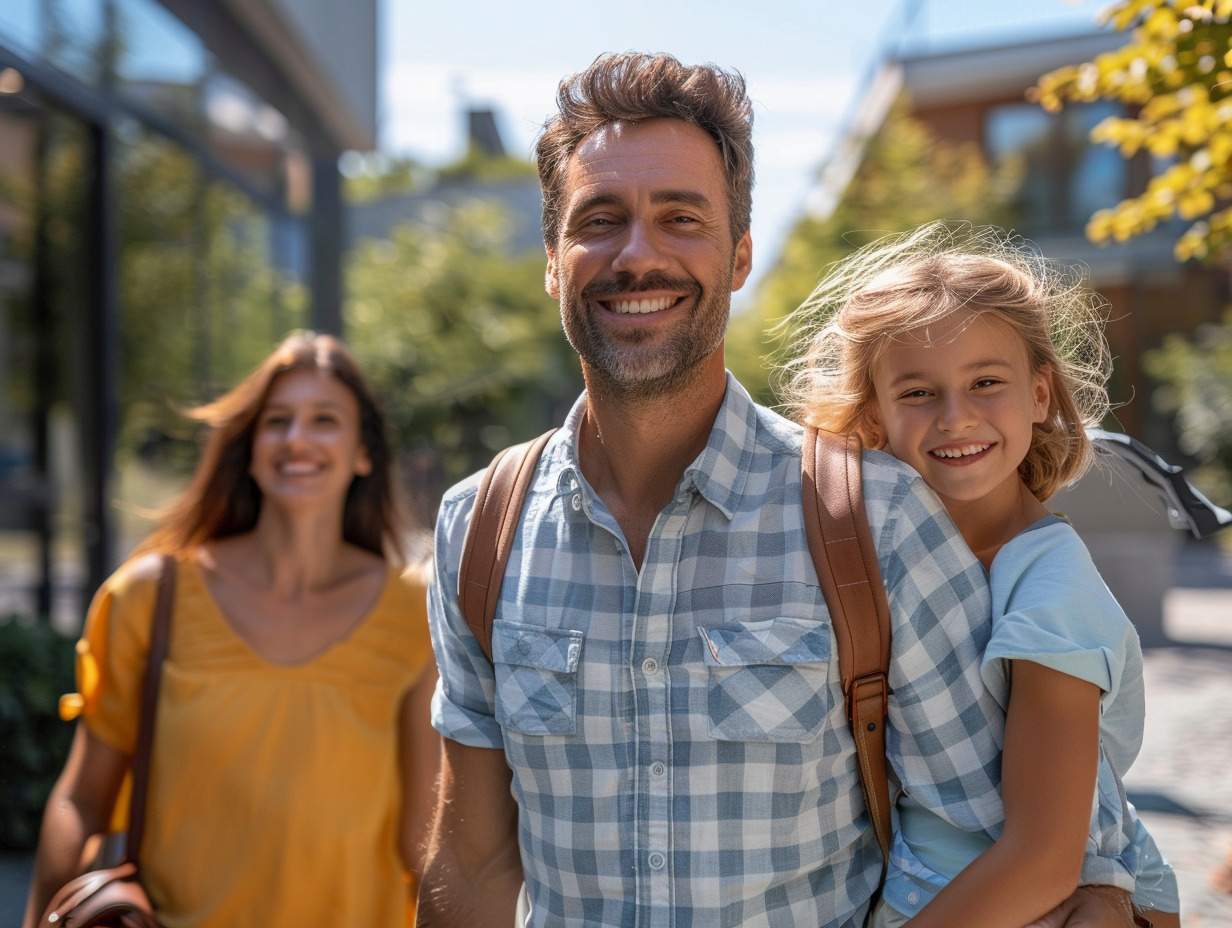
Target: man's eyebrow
(598,199)
(684,197)
(659,197)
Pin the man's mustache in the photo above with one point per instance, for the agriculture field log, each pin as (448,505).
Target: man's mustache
(624,284)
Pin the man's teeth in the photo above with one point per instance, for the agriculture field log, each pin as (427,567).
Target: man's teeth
(642,306)
(960,452)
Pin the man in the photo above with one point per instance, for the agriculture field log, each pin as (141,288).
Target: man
(663,738)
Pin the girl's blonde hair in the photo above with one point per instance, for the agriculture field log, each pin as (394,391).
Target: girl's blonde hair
(898,283)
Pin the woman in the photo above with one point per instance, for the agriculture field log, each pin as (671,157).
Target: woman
(293,757)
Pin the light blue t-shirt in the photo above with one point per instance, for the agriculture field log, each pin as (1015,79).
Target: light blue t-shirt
(1050,606)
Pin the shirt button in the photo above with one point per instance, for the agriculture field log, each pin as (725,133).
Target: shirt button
(913,897)
(576,502)
(658,768)
(656,860)
(523,646)
(650,666)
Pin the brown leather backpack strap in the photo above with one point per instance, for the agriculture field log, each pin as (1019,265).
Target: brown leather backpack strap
(846,561)
(489,536)
(160,637)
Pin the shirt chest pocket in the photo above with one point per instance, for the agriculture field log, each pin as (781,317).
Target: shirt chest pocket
(768,680)
(536,677)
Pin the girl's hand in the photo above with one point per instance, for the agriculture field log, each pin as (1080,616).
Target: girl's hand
(1091,907)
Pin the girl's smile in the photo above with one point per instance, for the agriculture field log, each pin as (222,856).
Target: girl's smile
(957,402)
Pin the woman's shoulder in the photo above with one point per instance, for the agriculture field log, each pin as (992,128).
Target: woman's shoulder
(136,578)
(408,586)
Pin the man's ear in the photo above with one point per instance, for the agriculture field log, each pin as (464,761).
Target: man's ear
(550,282)
(742,261)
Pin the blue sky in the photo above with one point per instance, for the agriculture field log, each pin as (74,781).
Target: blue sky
(803,59)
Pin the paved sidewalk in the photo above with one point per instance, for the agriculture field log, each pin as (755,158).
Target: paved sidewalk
(1182,780)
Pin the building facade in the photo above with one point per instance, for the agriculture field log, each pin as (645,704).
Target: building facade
(170,207)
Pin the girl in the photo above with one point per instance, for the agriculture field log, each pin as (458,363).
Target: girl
(294,759)
(980,364)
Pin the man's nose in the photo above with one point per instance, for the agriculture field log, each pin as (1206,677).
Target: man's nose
(640,250)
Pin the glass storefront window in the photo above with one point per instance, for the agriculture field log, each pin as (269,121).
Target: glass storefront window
(69,34)
(160,63)
(44,178)
(19,25)
(204,295)
(246,133)
(77,38)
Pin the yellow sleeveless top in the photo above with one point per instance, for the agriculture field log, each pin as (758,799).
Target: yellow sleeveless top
(275,790)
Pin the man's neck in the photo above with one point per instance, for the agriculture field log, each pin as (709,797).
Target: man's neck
(634,451)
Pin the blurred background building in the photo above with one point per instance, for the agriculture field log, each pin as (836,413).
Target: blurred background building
(170,205)
(973,94)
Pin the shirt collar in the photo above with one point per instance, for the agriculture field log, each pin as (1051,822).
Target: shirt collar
(718,473)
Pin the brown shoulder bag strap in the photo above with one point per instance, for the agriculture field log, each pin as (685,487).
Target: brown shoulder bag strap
(160,636)
(489,536)
(846,560)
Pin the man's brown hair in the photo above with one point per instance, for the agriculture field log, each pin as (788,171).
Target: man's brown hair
(631,87)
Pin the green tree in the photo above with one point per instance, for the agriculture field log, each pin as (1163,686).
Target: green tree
(1197,387)
(460,339)
(1174,77)
(907,176)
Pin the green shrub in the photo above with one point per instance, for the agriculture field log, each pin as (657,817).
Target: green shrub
(36,668)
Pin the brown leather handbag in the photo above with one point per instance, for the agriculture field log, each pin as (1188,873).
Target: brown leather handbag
(112,897)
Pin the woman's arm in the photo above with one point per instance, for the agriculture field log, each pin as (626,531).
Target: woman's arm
(420,759)
(473,871)
(79,807)
(1048,772)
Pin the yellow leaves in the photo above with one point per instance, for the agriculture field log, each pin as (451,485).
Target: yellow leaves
(1174,77)
(1195,203)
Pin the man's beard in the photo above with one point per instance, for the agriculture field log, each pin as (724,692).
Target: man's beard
(627,368)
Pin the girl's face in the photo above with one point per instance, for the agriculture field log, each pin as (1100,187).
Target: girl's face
(957,401)
(306,445)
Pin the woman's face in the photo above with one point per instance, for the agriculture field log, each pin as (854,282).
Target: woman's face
(306,446)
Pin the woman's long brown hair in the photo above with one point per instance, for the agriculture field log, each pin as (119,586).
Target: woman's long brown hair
(222,499)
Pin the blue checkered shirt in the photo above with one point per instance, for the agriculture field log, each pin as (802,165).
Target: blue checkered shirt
(677,735)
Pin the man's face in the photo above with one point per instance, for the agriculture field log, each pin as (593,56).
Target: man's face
(644,265)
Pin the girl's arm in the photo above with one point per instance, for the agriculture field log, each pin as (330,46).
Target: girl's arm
(78,808)
(1048,773)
